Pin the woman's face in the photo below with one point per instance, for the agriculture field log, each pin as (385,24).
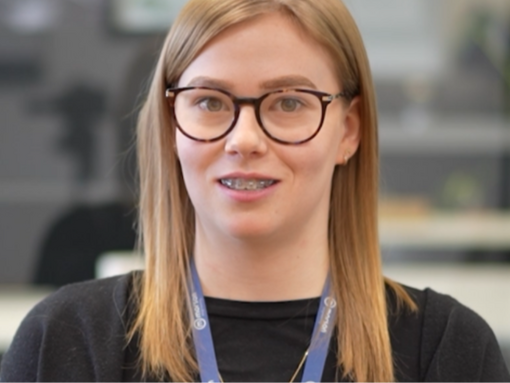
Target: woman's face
(248,60)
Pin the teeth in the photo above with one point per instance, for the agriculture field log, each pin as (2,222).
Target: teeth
(246,184)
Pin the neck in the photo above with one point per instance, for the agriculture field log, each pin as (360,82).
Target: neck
(262,271)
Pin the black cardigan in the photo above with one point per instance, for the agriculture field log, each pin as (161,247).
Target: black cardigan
(78,334)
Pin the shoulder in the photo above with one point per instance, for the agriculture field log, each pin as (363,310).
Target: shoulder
(445,316)
(435,314)
(458,343)
(107,295)
(85,304)
(448,340)
(78,332)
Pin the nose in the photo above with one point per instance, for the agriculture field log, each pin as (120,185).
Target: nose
(247,138)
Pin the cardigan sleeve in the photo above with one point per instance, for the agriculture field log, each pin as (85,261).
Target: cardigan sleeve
(458,345)
(76,334)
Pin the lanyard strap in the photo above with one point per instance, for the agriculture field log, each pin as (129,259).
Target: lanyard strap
(204,347)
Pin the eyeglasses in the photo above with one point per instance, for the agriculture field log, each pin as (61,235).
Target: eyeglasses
(288,116)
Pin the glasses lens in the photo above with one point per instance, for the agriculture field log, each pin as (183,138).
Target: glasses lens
(203,113)
(292,115)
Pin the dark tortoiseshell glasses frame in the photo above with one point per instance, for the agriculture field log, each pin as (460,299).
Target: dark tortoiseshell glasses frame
(324,98)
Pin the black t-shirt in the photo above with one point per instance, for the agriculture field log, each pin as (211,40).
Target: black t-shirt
(79,334)
(258,341)
(262,341)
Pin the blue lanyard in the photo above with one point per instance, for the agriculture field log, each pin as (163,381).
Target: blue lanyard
(204,347)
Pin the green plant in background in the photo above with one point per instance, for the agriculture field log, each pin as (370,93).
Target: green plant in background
(462,191)
(491,34)
(506,68)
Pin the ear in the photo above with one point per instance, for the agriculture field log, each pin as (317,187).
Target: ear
(351,134)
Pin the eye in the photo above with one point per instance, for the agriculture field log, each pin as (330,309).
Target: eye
(211,104)
(289,104)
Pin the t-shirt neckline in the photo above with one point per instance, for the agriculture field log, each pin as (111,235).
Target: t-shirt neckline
(262,310)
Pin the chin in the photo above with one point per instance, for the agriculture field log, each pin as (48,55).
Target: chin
(250,232)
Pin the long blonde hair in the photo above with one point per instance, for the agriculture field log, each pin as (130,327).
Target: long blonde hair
(167,215)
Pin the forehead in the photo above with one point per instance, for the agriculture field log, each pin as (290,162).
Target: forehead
(260,50)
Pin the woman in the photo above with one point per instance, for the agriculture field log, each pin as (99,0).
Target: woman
(258,168)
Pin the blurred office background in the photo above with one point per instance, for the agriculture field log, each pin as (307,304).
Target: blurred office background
(73,72)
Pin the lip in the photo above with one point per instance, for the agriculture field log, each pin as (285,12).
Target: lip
(247,195)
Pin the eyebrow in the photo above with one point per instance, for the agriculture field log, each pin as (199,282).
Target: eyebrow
(277,83)
(288,82)
(210,82)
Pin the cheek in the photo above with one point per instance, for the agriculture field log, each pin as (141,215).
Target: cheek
(196,160)
(315,167)
(189,152)
(322,154)
(189,160)
(181,145)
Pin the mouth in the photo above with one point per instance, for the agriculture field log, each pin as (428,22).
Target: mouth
(250,184)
